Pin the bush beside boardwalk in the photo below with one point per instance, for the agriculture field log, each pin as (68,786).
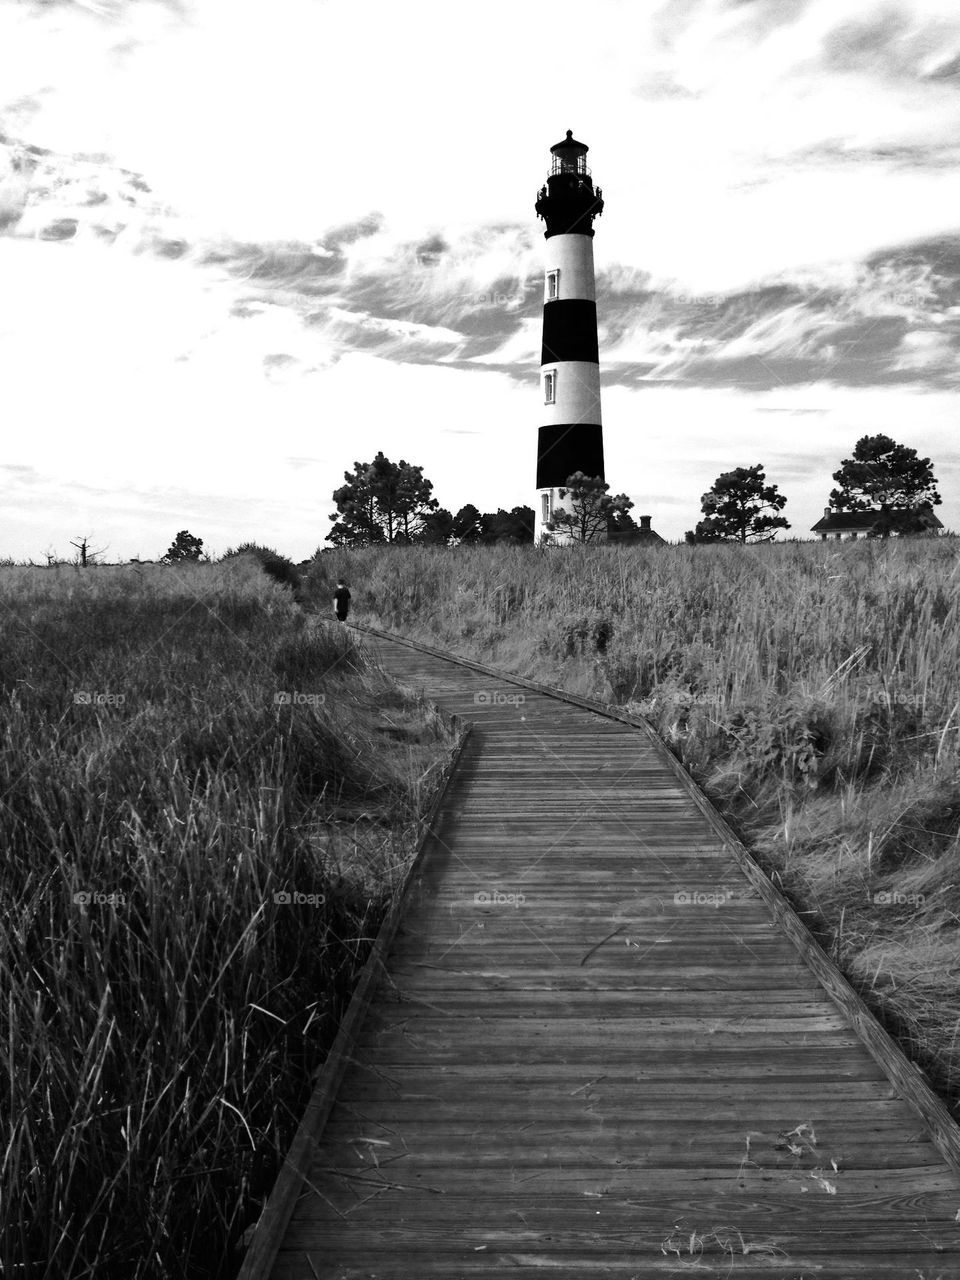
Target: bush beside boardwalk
(812,689)
(162,1012)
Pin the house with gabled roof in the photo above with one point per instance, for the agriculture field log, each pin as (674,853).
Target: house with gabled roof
(861,524)
(644,535)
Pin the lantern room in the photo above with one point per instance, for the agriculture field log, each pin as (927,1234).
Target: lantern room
(569,156)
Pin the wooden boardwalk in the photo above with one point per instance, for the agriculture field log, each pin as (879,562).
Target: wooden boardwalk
(596,1051)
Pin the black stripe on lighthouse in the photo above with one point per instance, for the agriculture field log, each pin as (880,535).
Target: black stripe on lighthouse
(569,331)
(565,448)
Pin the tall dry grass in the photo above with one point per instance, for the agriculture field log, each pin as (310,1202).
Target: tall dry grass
(162,1010)
(813,689)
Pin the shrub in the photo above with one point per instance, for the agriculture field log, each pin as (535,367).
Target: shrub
(279,567)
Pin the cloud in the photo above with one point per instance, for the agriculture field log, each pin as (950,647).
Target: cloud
(896,43)
(403,339)
(877,41)
(18,474)
(928,351)
(298,463)
(351,232)
(359,285)
(890,320)
(946,70)
(916,155)
(471,298)
(430,251)
(658,85)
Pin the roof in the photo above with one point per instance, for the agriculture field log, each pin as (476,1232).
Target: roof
(570,144)
(635,535)
(863,521)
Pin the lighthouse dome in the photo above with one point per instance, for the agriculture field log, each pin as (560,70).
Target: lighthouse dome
(569,146)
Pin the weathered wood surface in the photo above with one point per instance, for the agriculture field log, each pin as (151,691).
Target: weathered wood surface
(566,1067)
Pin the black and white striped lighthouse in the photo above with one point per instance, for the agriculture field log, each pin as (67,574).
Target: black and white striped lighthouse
(571,434)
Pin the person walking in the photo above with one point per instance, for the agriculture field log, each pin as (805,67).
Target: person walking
(341,600)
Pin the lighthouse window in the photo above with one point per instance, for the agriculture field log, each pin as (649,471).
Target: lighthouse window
(550,387)
(545,506)
(553,284)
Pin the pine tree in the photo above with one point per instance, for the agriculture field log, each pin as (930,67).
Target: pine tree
(382,501)
(184,547)
(890,476)
(593,508)
(740,507)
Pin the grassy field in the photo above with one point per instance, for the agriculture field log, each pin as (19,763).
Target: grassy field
(182,745)
(812,689)
(206,802)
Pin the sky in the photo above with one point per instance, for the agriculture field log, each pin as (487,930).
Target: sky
(244,246)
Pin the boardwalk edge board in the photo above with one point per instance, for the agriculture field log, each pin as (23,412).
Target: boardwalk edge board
(275,1217)
(905,1075)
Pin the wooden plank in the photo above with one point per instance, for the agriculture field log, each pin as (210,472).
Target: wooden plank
(819,1061)
(555,1237)
(589,1179)
(755,1207)
(623,1107)
(616,1029)
(689,1143)
(522,1002)
(595,1265)
(751,975)
(529,1087)
(481,947)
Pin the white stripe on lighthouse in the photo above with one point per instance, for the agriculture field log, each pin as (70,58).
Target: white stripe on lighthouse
(577,392)
(572,255)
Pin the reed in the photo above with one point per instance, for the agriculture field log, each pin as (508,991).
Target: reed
(164,1007)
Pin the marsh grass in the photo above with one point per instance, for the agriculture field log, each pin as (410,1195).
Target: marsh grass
(163,1013)
(813,689)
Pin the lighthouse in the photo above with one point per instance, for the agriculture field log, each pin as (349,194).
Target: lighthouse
(571,435)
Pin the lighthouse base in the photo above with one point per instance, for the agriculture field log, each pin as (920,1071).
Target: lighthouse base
(546,531)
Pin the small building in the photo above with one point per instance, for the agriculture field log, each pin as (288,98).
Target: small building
(644,536)
(861,524)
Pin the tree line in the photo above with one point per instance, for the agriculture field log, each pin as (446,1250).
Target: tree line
(881,476)
(393,503)
(387,503)
(383,502)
